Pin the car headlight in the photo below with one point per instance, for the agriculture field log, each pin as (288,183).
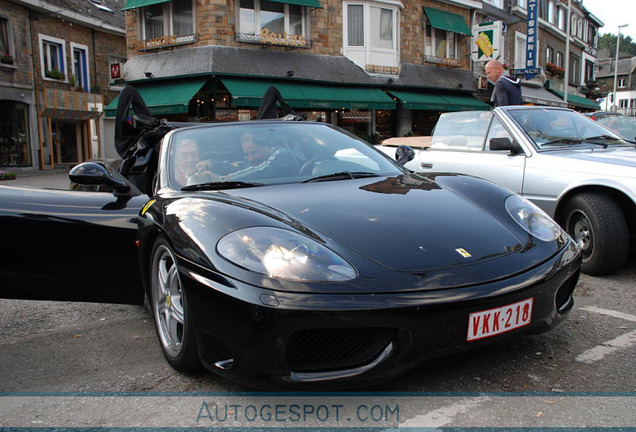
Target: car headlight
(532,219)
(283,254)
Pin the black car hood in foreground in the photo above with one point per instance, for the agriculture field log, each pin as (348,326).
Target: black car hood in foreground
(408,224)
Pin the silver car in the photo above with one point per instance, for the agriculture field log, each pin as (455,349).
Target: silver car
(579,172)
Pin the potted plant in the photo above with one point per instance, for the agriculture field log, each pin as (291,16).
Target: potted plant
(7,175)
(55,74)
(553,69)
(6,59)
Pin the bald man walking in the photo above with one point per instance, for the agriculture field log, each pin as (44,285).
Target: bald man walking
(507,89)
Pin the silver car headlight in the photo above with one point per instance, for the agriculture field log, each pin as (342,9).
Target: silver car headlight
(532,219)
(283,254)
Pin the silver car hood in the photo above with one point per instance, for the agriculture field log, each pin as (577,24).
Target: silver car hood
(619,156)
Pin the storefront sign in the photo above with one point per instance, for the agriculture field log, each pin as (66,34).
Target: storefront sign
(165,41)
(443,61)
(531,41)
(486,40)
(284,39)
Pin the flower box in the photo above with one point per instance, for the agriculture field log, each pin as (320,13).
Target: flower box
(55,74)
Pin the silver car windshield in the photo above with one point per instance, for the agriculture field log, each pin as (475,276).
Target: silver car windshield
(264,153)
(550,129)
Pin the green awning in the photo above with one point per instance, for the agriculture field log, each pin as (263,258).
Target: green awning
(247,92)
(578,101)
(465,103)
(447,21)
(132,4)
(306,3)
(438,102)
(166,97)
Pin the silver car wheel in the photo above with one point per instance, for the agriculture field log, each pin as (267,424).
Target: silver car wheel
(581,231)
(167,301)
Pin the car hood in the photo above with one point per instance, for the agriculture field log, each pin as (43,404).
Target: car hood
(620,156)
(405,223)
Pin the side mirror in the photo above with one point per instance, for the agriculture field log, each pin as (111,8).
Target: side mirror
(404,154)
(94,173)
(504,144)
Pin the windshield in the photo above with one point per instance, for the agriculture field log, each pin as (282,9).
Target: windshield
(223,156)
(623,125)
(550,129)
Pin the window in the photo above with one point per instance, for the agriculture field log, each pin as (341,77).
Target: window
(380,33)
(623,103)
(498,3)
(520,50)
(561,18)
(81,72)
(549,55)
(559,59)
(371,34)
(589,71)
(591,35)
(173,18)
(440,43)
(497,130)
(521,3)
(355,25)
(382,21)
(542,9)
(632,103)
(575,69)
(255,16)
(551,14)
(52,55)
(622,83)
(6,45)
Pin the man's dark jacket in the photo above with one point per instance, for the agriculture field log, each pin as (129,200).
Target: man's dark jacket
(507,91)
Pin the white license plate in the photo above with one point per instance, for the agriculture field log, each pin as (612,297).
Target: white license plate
(499,320)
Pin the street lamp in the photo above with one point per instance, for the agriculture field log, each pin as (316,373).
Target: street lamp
(618,41)
(566,74)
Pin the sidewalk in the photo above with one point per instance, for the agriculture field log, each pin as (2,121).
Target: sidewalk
(49,179)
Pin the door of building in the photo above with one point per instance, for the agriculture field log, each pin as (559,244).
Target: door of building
(67,139)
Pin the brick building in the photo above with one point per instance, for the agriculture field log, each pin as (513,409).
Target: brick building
(55,78)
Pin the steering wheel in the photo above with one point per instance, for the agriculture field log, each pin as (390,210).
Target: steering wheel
(308,166)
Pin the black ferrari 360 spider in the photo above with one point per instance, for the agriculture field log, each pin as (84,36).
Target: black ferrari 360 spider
(290,251)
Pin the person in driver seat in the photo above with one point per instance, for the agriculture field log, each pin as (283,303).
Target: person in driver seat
(264,158)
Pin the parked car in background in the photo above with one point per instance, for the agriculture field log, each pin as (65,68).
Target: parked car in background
(579,172)
(619,123)
(337,266)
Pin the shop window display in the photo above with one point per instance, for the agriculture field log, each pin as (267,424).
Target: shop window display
(14,139)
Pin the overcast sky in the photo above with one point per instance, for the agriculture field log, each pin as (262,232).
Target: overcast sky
(614,13)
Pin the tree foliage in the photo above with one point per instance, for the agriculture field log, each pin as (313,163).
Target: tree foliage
(608,40)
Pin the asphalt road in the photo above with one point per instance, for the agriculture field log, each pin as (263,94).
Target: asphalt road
(84,348)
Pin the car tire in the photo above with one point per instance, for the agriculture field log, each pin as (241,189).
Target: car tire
(170,310)
(596,222)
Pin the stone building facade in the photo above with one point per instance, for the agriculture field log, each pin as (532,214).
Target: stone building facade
(418,47)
